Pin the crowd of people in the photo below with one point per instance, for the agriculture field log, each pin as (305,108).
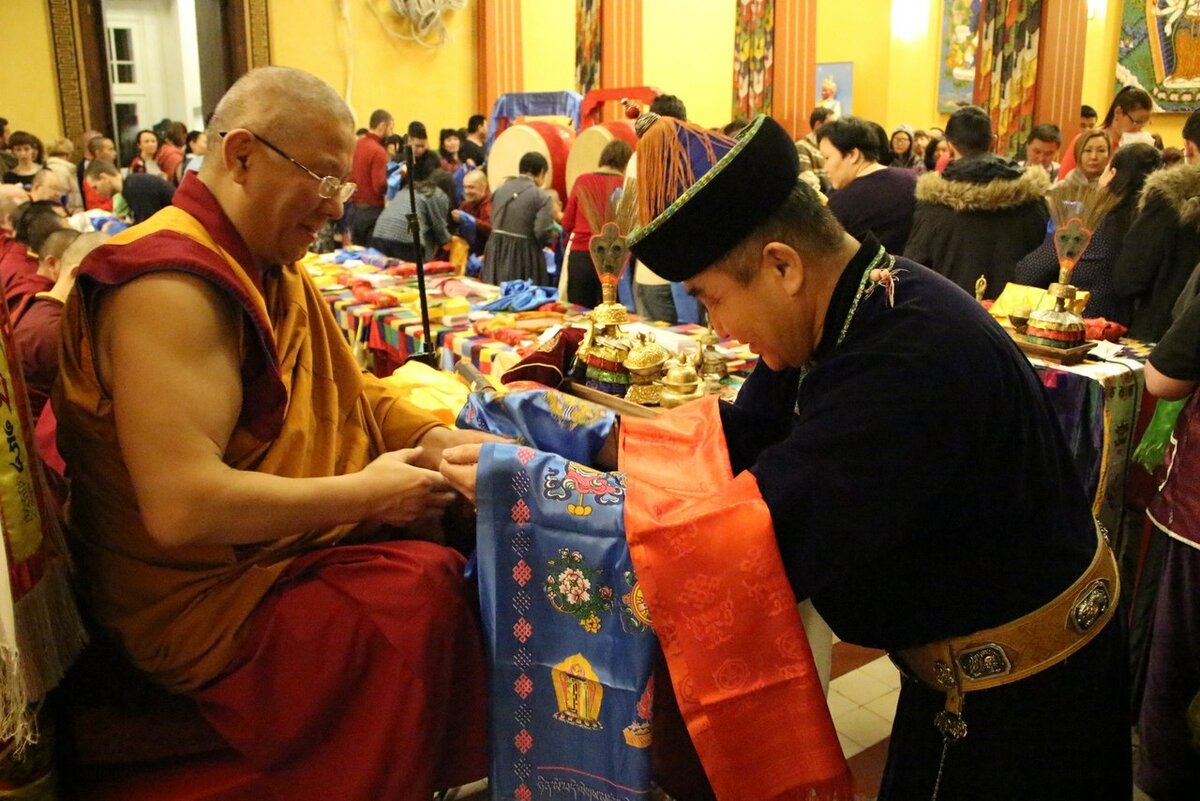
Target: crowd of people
(296,494)
(944,199)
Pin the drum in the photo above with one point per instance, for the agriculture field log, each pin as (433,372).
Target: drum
(550,139)
(585,154)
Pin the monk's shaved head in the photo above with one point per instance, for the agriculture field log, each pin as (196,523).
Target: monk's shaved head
(280,171)
(281,103)
(81,246)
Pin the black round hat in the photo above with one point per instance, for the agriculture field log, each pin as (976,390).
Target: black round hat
(729,198)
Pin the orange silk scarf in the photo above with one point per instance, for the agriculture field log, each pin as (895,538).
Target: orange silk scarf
(704,550)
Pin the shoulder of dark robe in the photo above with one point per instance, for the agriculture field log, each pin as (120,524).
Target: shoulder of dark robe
(1179,190)
(924,489)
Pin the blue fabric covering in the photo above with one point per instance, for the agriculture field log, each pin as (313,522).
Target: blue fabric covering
(395,174)
(474,265)
(343,256)
(468,228)
(549,419)
(520,295)
(571,659)
(534,104)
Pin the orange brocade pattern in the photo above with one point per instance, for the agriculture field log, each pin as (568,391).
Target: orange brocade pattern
(704,550)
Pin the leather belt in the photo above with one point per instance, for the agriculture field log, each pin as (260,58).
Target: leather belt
(1028,645)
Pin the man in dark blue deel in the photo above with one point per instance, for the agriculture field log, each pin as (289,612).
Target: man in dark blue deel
(920,490)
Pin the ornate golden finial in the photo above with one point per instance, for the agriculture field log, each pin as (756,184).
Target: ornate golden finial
(980,287)
(610,255)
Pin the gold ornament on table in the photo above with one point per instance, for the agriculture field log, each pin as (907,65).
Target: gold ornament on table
(713,367)
(1077,211)
(605,347)
(681,383)
(645,365)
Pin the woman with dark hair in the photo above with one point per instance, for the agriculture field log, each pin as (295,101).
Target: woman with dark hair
(170,154)
(1129,112)
(868,198)
(1094,272)
(900,149)
(589,206)
(449,144)
(30,157)
(194,149)
(934,150)
(147,145)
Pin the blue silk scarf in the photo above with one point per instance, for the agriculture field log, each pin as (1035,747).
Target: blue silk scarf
(569,638)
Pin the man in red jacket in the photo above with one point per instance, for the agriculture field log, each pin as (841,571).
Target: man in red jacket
(369,172)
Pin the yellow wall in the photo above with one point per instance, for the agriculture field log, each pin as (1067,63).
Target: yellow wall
(859,32)
(1099,75)
(28,79)
(548,45)
(436,86)
(688,52)
(912,79)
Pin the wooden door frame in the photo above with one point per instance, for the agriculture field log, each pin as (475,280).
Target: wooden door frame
(77,34)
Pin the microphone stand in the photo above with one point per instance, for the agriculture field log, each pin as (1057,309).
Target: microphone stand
(428,355)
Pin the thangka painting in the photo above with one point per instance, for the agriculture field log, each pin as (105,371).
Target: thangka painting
(587,45)
(835,87)
(960,43)
(1160,51)
(1010,31)
(753,58)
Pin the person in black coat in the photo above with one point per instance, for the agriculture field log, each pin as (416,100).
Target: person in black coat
(982,215)
(1094,272)
(1162,247)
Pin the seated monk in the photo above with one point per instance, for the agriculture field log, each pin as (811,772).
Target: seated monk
(477,206)
(238,483)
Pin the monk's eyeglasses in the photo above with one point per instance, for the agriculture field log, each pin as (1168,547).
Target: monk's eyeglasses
(329,187)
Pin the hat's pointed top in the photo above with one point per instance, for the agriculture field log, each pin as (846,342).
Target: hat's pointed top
(672,157)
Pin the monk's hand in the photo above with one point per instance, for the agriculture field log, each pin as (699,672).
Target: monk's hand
(459,466)
(439,439)
(403,493)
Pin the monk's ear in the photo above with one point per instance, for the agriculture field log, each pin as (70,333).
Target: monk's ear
(786,264)
(53,266)
(236,147)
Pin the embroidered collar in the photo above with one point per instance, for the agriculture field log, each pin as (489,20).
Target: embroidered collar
(850,288)
(870,268)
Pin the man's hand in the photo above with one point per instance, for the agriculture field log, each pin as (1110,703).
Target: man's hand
(402,492)
(456,215)
(459,468)
(439,439)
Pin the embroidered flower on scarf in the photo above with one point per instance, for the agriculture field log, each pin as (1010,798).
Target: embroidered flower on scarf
(574,589)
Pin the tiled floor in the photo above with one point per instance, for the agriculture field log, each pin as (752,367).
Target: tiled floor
(862,701)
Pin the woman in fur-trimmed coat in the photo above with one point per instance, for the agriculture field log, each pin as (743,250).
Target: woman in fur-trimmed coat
(979,217)
(1161,250)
